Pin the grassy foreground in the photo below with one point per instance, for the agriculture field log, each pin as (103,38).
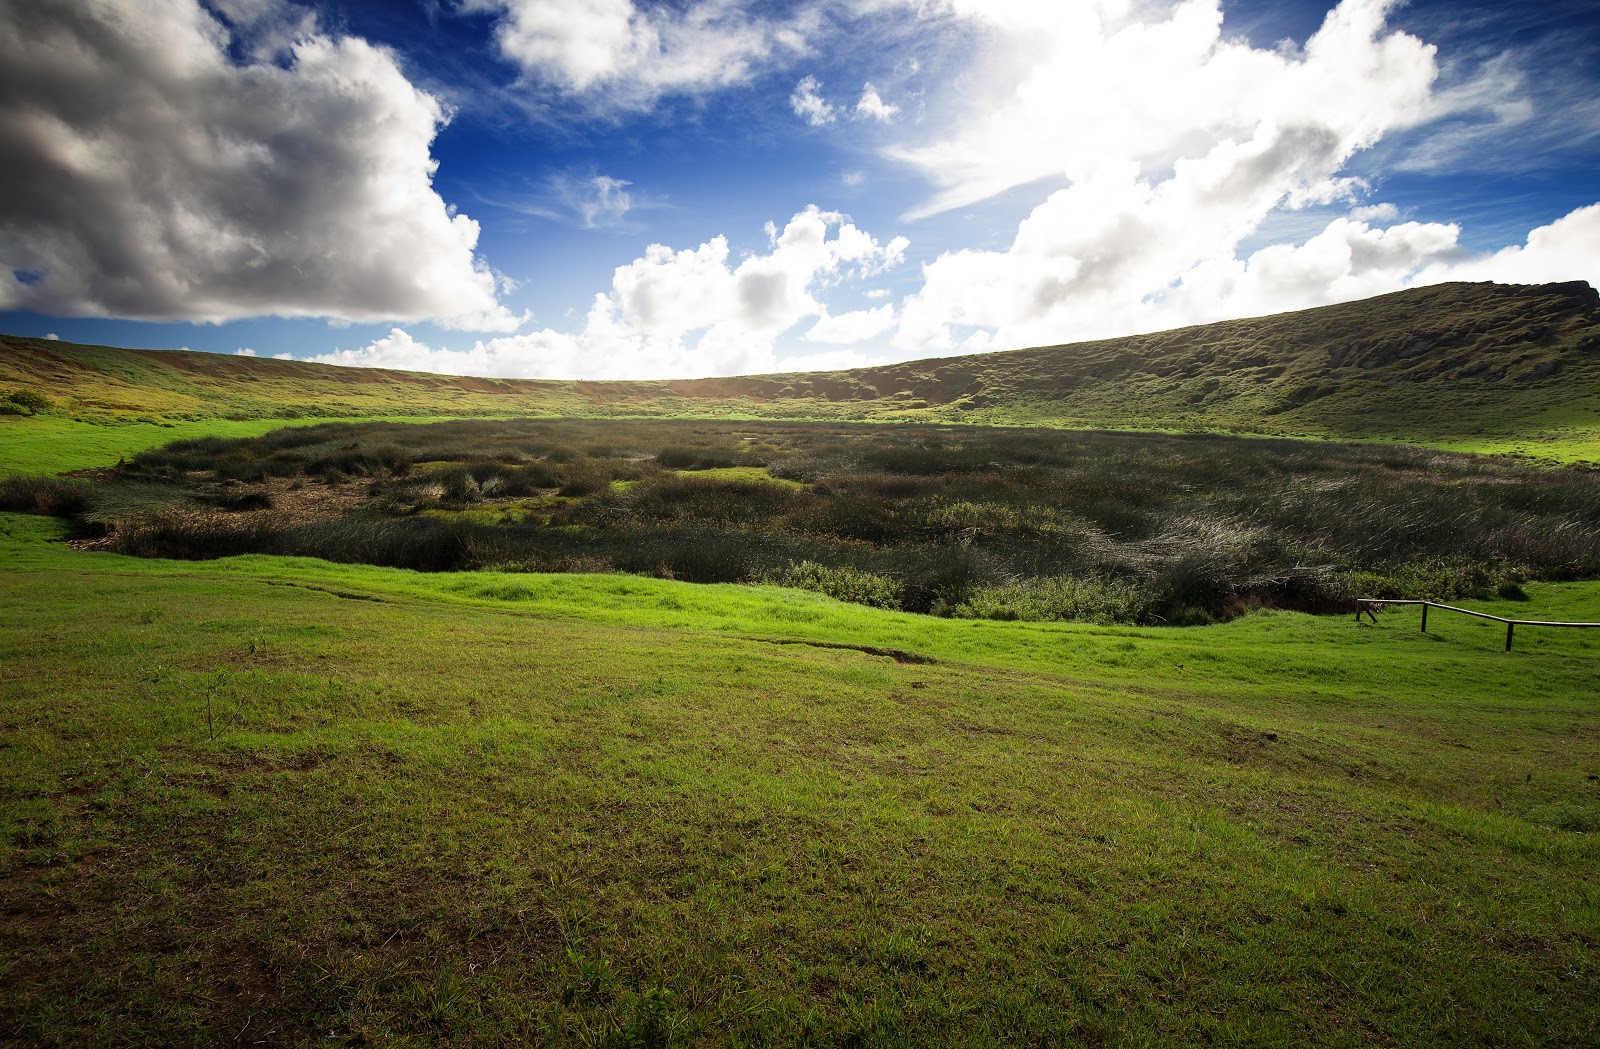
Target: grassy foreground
(279,800)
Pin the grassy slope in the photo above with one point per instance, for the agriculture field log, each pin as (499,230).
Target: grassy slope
(496,808)
(58,444)
(1472,366)
(273,798)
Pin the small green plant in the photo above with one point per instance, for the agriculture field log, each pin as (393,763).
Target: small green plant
(1511,590)
(1090,599)
(589,979)
(841,582)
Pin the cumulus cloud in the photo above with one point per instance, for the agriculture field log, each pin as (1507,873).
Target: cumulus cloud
(52,337)
(1167,179)
(1561,251)
(149,174)
(809,105)
(855,327)
(1380,212)
(872,107)
(687,312)
(1065,89)
(622,54)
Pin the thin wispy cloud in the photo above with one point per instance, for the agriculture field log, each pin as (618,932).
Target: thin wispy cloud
(590,201)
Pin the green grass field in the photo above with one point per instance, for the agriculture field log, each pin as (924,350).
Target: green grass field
(284,801)
(59,444)
(490,808)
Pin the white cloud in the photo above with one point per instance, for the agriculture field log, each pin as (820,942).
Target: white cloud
(1169,174)
(598,201)
(52,337)
(245,351)
(872,107)
(1064,90)
(809,105)
(622,55)
(150,175)
(591,200)
(688,312)
(855,327)
(1381,212)
(1561,251)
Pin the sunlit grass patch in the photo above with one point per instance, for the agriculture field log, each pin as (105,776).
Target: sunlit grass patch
(504,807)
(757,474)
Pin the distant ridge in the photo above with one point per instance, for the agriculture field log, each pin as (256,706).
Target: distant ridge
(1501,367)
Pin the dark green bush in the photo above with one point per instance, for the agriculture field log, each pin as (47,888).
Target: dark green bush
(42,494)
(30,402)
(679,458)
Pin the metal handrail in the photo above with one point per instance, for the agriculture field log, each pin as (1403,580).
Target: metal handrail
(1370,605)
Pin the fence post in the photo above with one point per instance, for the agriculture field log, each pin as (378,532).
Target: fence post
(1424,617)
(1509,627)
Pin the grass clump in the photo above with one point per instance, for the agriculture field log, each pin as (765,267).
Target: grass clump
(1061,598)
(24,402)
(841,582)
(44,494)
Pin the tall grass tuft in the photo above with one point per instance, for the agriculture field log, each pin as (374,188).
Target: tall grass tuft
(43,494)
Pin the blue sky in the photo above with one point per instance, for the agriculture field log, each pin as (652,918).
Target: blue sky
(613,188)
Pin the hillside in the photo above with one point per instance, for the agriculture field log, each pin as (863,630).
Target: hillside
(277,799)
(1477,366)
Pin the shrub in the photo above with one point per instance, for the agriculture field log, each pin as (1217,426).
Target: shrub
(41,494)
(31,403)
(708,561)
(239,501)
(678,458)
(1422,580)
(841,582)
(583,477)
(358,461)
(1510,590)
(424,544)
(1088,599)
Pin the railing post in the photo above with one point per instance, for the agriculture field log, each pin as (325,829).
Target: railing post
(1509,627)
(1424,617)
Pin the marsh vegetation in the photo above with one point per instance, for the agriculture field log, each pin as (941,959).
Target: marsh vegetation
(1028,524)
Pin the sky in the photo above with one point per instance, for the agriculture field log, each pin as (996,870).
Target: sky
(634,189)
